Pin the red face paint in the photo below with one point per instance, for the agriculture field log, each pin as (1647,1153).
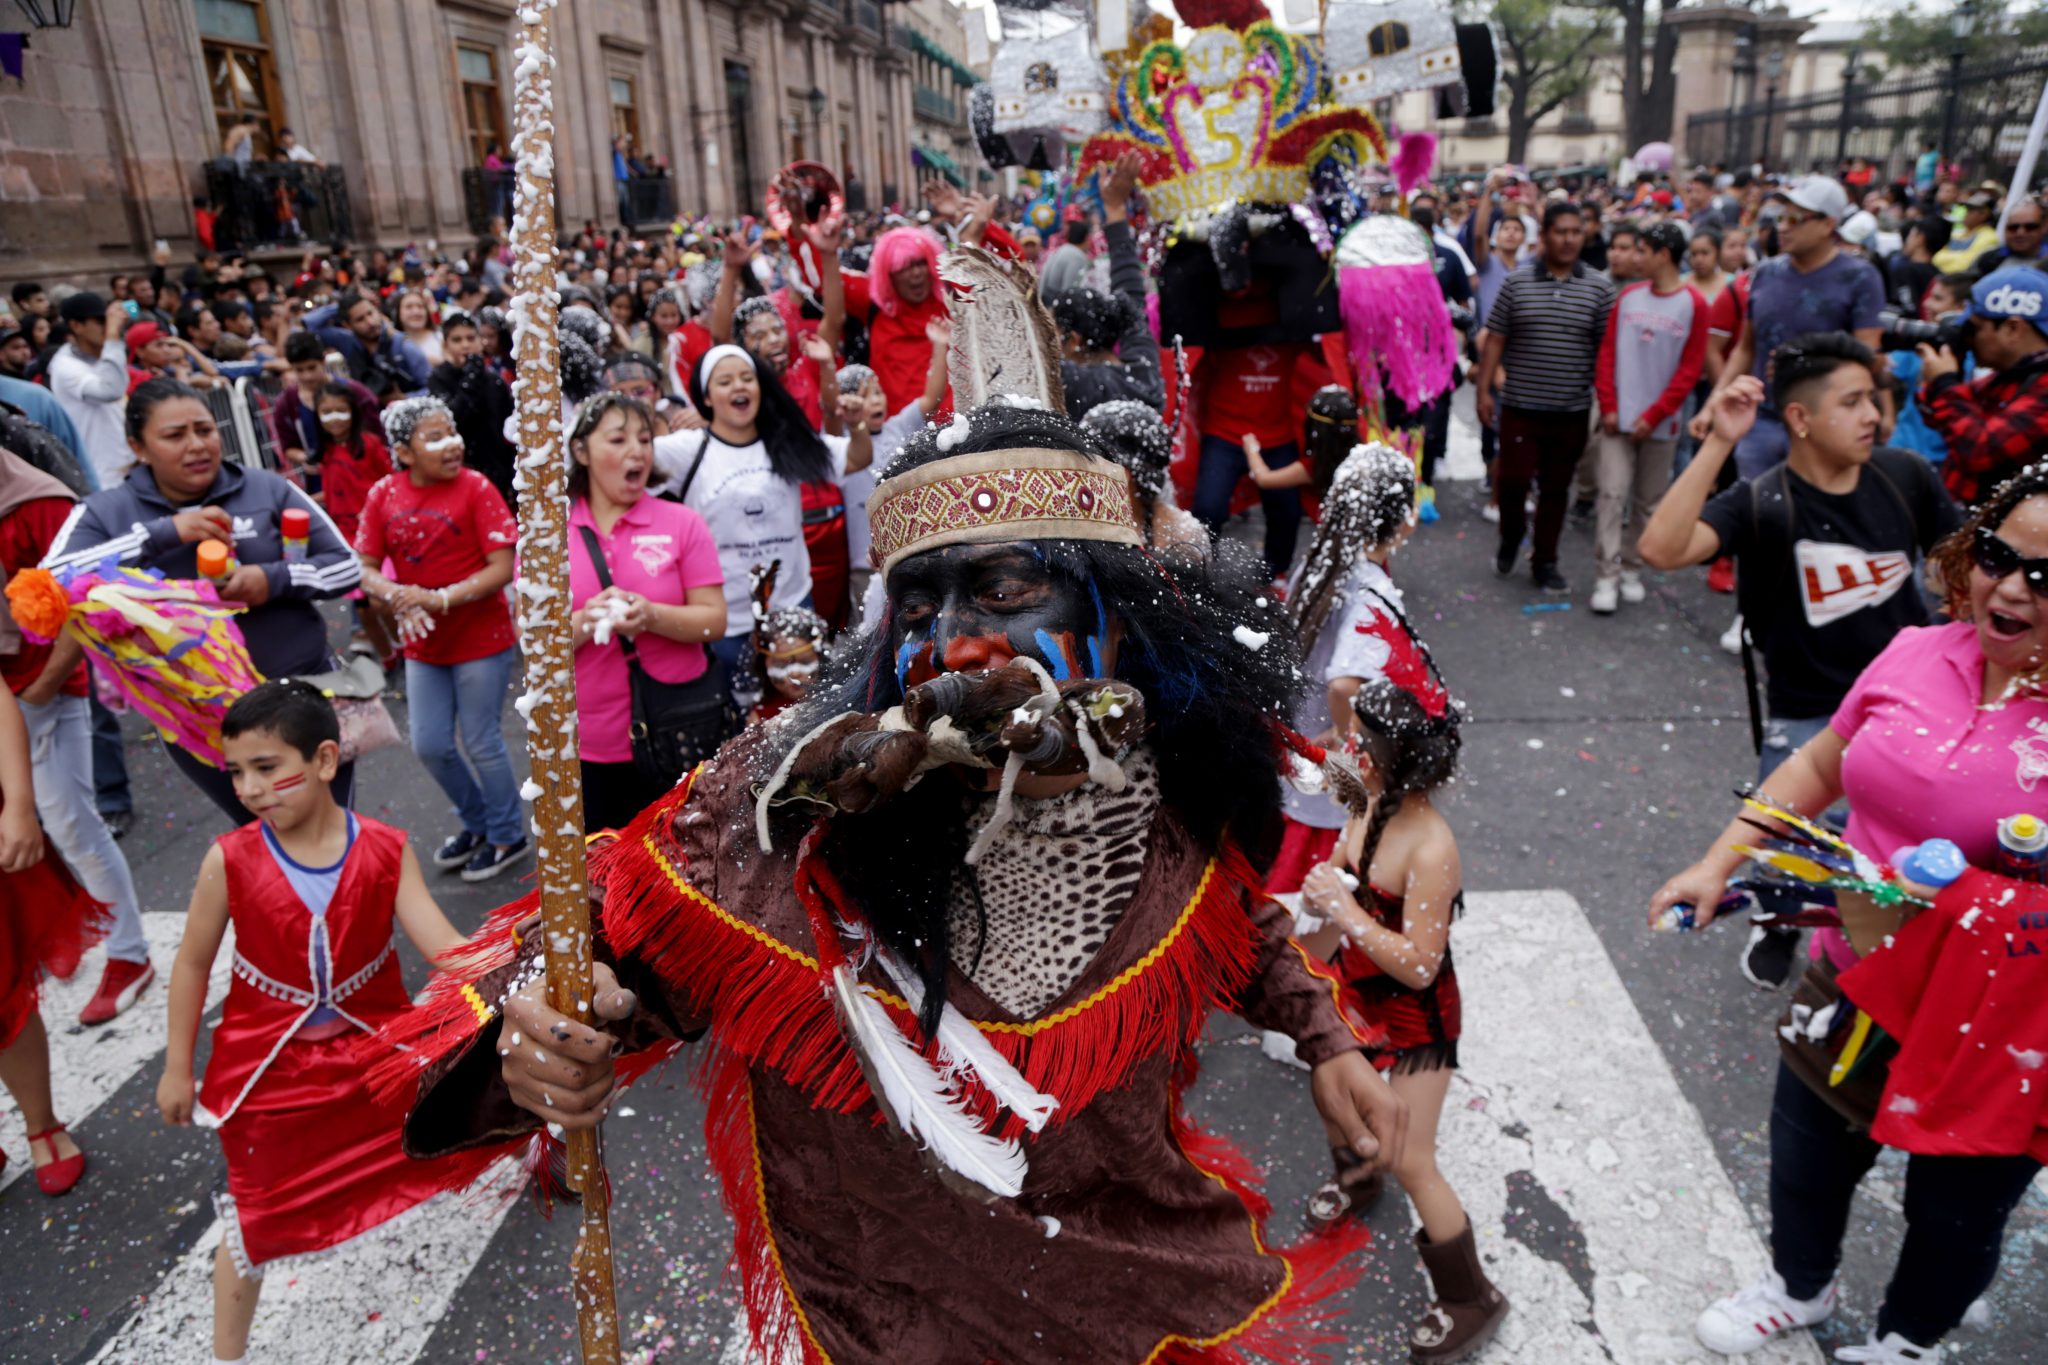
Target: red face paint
(973,653)
(285,784)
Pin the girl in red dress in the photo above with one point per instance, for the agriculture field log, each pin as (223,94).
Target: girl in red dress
(312,890)
(46,924)
(1391,889)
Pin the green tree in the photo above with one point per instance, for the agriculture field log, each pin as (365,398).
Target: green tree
(1922,40)
(1547,51)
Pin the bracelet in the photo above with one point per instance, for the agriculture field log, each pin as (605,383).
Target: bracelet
(444,601)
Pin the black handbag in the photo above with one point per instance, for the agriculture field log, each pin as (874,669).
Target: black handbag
(676,726)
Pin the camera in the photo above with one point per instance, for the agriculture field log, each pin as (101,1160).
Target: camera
(1903,332)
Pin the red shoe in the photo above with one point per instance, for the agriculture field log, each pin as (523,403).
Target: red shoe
(121,983)
(1721,575)
(63,1172)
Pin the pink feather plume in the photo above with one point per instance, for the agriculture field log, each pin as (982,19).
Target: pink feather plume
(1413,159)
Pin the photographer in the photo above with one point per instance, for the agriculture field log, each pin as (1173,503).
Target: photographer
(378,358)
(1997,423)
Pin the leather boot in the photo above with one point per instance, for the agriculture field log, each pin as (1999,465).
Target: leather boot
(1468,1309)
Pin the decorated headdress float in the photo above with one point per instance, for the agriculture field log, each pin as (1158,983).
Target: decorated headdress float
(1258,149)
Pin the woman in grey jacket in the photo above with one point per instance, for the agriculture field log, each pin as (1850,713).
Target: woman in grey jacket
(180,493)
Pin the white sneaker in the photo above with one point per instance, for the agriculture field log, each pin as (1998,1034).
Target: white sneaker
(1604,596)
(1744,1321)
(1632,587)
(1490,512)
(1280,1048)
(1731,639)
(1893,1350)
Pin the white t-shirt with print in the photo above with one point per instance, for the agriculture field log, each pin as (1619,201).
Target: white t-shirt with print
(754,516)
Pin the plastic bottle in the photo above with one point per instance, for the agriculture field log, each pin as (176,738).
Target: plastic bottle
(216,560)
(295,525)
(2023,848)
(1683,916)
(1935,863)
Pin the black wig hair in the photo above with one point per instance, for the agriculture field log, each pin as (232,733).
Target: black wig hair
(1099,319)
(1200,638)
(795,451)
(1133,434)
(1329,429)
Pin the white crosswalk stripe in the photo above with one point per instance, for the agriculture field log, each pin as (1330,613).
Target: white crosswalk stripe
(1563,1096)
(89,1064)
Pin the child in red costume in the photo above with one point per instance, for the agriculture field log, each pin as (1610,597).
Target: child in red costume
(1392,890)
(46,923)
(312,890)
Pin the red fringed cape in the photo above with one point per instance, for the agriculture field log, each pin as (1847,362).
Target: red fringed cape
(1137,1238)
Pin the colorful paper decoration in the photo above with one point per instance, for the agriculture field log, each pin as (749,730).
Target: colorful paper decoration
(169,644)
(1231,117)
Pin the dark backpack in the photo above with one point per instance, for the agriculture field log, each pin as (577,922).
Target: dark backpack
(35,445)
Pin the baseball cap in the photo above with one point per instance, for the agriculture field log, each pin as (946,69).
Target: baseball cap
(140,335)
(1980,199)
(1816,194)
(2018,292)
(1859,227)
(84,306)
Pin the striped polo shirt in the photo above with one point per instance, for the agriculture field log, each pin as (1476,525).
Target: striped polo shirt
(1552,328)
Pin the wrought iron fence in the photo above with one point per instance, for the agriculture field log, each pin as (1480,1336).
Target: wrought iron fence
(276,203)
(1887,122)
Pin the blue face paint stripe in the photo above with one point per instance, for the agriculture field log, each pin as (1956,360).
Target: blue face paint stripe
(1101,630)
(903,657)
(1055,657)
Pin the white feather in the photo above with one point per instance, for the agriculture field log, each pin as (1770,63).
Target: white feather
(918,1100)
(1005,345)
(962,1048)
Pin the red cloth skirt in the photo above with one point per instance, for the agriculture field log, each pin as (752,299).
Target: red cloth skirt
(47,921)
(1301,848)
(313,1160)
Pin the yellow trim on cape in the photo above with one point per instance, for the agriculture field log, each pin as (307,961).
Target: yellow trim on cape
(1259,1243)
(803,1319)
(1028,1029)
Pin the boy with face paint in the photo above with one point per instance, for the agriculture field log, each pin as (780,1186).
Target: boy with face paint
(1009,816)
(313,891)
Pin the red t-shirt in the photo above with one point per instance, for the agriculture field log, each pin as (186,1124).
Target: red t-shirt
(438,535)
(693,343)
(346,481)
(1963,986)
(26,534)
(898,350)
(1249,391)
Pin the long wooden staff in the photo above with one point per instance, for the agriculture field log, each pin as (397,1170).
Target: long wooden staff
(543,592)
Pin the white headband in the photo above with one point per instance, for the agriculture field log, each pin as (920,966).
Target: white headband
(714,355)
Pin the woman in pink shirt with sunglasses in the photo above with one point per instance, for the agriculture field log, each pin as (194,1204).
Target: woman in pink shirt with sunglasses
(1944,734)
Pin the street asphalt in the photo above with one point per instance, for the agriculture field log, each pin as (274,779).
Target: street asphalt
(1600,755)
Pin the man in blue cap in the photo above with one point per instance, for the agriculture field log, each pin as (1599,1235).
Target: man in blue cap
(1997,423)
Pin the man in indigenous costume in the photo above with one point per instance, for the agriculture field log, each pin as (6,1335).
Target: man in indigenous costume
(948,932)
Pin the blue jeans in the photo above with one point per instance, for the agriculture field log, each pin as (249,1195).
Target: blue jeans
(109,761)
(1956,1211)
(1223,464)
(469,697)
(60,752)
(1763,448)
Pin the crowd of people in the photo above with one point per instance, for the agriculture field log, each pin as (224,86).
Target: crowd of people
(1811,395)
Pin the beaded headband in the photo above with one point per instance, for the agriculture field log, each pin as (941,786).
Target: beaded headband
(998,495)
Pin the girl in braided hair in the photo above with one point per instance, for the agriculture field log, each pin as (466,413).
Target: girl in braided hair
(1349,625)
(1391,889)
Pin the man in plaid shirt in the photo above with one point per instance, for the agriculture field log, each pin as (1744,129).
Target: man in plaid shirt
(1996,424)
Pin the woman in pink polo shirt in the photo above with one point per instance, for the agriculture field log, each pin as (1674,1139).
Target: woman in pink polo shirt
(1943,735)
(666,598)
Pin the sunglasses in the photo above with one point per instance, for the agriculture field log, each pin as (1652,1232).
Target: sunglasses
(1999,560)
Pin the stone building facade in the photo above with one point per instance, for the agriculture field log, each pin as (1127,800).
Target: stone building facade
(107,140)
(934,34)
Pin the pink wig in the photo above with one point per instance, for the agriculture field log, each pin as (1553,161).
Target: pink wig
(895,249)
